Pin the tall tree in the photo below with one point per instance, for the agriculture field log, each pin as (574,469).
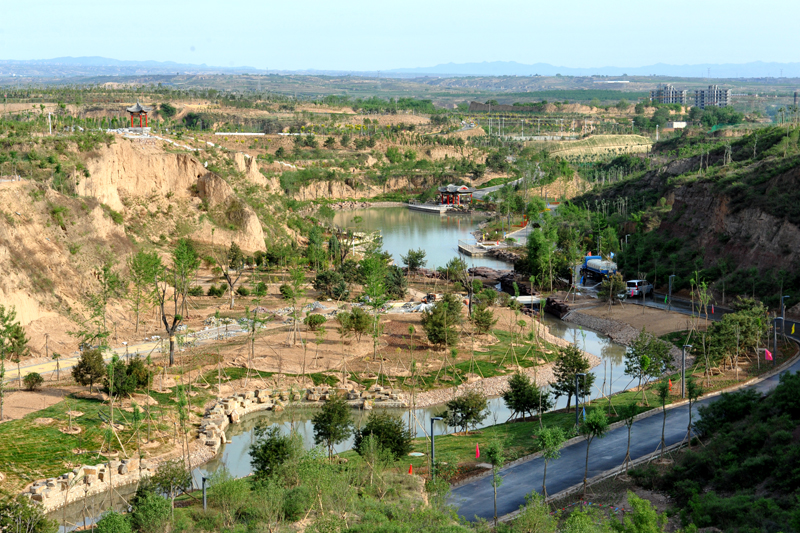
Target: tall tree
(173,284)
(523,396)
(143,268)
(570,363)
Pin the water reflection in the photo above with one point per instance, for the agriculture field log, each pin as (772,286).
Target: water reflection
(403,229)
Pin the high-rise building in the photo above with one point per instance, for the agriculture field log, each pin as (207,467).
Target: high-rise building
(667,94)
(713,96)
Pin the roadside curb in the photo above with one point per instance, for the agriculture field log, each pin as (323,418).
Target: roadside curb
(616,425)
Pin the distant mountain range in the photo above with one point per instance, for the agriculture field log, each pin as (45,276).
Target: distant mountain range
(756,69)
(101,66)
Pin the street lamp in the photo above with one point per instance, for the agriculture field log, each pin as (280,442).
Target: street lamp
(775,343)
(683,370)
(576,395)
(669,305)
(433,457)
(205,502)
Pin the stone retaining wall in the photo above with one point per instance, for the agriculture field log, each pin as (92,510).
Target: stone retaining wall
(89,480)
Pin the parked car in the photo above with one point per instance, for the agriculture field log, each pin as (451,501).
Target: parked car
(636,287)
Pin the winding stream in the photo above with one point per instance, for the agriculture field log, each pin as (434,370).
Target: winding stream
(402,229)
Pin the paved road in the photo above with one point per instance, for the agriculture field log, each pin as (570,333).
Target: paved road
(480,193)
(476,498)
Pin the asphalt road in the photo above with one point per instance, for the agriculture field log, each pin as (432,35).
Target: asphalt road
(476,498)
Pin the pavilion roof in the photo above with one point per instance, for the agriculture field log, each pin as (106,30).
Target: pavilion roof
(456,189)
(138,108)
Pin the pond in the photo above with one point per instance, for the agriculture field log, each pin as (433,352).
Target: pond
(403,229)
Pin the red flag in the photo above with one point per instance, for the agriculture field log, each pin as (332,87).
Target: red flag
(477,451)
(410,470)
(767,355)
(631,293)
(712,309)
(670,384)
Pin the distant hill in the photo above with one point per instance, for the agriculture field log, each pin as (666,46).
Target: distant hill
(103,66)
(756,69)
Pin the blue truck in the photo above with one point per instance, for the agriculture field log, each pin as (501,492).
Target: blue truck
(594,266)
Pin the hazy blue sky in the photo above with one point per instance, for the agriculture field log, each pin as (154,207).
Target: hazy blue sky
(374,34)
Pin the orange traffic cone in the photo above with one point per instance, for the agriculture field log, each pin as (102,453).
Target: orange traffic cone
(410,470)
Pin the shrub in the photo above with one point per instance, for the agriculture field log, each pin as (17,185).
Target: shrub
(33,381)
(297,503)
(261,289)
(314,321)
(113,522)
(287,293)
(150,513)
(272,449)
(242,291)
(216,291)
(390,432)
(483,319)
(197,290)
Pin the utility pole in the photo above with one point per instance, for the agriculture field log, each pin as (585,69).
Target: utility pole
(433,457)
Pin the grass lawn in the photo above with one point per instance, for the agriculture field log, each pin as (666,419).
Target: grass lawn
(31,450)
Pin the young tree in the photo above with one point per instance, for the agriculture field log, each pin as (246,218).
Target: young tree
(523,396)
(232,268)
(111,286)
(295,293)
(496,458)
(333,423)
(594,426)
(13,342)
(90,368)
(414,260)
(610,288)
(647,357)
(628,414)
(662,389)
(375,289)
(172,479)
(550,440)
(441,323)
(355,323)
(143,268)
(693,391)
(388,431)
(469,409)
(483,319)
(570,363)
(173,284)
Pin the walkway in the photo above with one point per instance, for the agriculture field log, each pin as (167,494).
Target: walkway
(476,498)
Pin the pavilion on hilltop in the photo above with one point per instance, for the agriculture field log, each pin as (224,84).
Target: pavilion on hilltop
(139,111)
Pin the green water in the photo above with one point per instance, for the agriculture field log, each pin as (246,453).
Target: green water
(403,229)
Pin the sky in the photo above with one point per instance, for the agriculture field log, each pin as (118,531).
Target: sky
(381,35)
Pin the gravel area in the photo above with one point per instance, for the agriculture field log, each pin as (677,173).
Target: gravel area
(619,332)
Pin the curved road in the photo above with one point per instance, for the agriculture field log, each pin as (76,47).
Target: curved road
(476,498)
